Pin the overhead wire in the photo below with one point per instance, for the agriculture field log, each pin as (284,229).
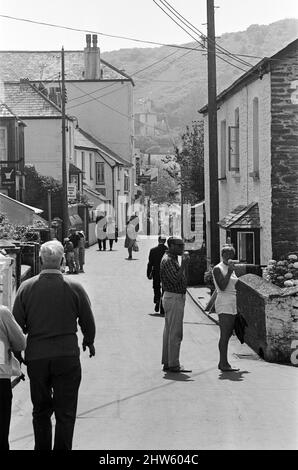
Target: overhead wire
(202,35)
(132,74)
(118,37)
(42,23)
(221,58)
(122,114)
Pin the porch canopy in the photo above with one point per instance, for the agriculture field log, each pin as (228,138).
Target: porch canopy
(242,217)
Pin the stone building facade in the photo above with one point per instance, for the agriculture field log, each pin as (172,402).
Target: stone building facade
(284,150)
(257,160)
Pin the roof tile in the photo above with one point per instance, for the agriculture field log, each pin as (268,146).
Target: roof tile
(27,102)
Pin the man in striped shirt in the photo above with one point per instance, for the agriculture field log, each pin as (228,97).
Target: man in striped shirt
(174,282)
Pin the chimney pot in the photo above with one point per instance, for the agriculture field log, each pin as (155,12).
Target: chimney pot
(94,40)
(88,40)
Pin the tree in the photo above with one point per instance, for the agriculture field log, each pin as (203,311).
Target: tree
(165,190)
(37,187)
(187,166)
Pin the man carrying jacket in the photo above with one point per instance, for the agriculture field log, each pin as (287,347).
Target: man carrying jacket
(153,272)
(48,308)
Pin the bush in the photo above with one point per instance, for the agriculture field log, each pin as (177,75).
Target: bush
(283,273)
(208,279)
(22,233)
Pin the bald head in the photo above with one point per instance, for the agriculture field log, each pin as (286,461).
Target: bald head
(51,254)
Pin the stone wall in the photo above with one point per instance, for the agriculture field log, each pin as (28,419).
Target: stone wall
(272,317)
(284,151)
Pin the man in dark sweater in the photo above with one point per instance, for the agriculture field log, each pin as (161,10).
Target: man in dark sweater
(48,307)
(153,271)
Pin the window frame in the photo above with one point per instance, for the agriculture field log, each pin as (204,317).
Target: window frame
(256,136)
(223,149)
(83,164)
(97,173)
(246,232)
(234,155)
(91,167)
(5,148)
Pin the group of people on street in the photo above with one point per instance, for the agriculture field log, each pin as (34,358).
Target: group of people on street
(105,229)
(74,250)
(47,309)
(169,286)
(45,317)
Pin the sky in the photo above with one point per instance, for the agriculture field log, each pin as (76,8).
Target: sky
(139,19)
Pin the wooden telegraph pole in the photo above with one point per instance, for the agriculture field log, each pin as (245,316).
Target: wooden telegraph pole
(212,122)
(64,166)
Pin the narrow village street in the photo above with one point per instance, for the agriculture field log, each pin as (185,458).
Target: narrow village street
(127,402)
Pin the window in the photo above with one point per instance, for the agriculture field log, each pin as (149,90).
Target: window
(256,136)
(3,143)
(246,247)
(234,144)
(118,173)
(100,173)
(75,157)
(126,183)
(223,148)
(91,166)
(83,164)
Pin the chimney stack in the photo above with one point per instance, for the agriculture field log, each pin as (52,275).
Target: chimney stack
(92,58)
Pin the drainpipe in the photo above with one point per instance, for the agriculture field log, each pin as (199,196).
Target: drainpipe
(247,150)
(113,186)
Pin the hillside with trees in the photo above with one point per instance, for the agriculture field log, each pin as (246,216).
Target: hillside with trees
(177,82)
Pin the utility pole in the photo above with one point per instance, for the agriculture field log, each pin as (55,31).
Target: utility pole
(50,207)
(64,167)
(212,123)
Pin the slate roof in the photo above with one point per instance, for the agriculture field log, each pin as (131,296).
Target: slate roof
(74,170)
(5,112)
(46,65)
(94,193)
(26,101)
(242,217)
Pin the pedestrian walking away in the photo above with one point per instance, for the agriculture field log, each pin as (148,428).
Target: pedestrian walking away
(132,229)
(100,232)
(12,342)
(112,232)
(225,281)
(153,272)
(174,283)
(74,237)
(82,242)
(48,308)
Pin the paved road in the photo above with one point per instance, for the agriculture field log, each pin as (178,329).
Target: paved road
(127,402)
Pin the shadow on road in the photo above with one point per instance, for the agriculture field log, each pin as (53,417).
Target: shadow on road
(235,376)
(143,392)
(156,315)
(178,377)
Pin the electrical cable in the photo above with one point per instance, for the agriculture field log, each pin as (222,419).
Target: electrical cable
(195,29)
(92,32)
(224,60)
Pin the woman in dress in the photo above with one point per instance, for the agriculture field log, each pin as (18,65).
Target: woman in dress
(132,228)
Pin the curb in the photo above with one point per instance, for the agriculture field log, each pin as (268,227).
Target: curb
(198,304)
